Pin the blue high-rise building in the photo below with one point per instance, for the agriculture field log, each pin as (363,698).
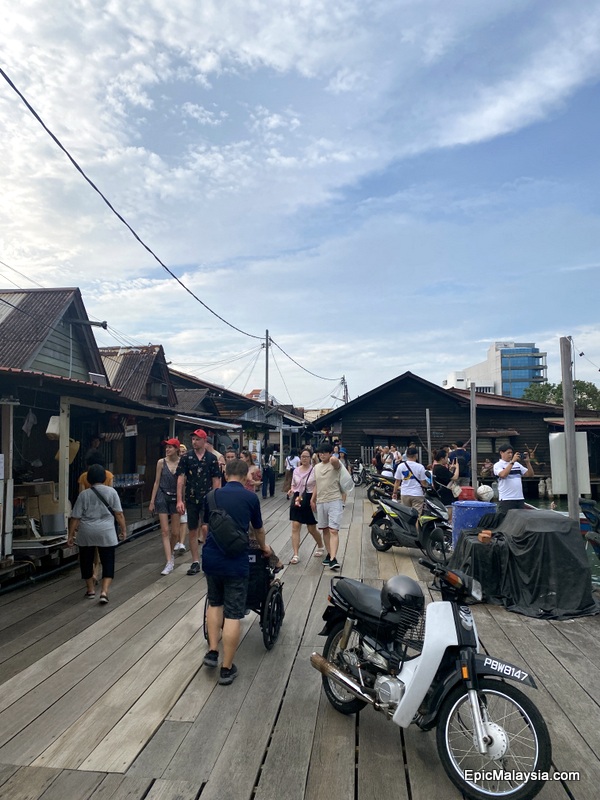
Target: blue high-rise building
(509,369)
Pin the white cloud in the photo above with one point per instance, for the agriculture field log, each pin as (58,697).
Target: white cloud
(249,144)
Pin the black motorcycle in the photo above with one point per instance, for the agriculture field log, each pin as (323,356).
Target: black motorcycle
(379,486)
(395,525)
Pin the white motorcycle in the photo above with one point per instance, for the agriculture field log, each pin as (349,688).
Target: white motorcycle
(423,666)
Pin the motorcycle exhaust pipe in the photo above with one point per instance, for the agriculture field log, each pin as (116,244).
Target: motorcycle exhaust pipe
(327,669)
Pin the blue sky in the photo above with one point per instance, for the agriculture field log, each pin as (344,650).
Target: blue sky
(385,184)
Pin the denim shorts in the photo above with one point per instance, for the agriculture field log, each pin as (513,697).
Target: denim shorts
(228,592)
(165,504)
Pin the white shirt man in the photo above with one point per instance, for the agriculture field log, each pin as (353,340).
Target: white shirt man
(410,479)
(510,474)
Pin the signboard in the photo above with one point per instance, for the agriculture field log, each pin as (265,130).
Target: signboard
(558,463)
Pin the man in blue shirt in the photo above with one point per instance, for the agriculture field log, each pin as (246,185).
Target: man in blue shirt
(227,576)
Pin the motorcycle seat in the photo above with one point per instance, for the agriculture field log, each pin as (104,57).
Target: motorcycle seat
(401,509)
(361,597)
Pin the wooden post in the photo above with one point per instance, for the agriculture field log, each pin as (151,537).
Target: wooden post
(569,416)
(7,483)
(428,424)
(473,408)
(63,456)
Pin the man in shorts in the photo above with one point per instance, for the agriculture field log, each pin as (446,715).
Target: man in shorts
(227,576)
(411,479)
(326,501)
(197,473)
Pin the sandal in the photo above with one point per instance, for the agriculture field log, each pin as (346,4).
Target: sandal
(90,595)
(103,599)
(319,552)
(294,560)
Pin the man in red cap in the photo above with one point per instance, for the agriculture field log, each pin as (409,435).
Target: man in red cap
(198,472)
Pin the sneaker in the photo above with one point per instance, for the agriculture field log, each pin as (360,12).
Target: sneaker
(326,560)
(333,564)
(194,568)
(179,549)
(228,676)
(211,659)
(90,595)
(168,568)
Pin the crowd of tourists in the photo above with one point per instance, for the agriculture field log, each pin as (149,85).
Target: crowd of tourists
(190,484)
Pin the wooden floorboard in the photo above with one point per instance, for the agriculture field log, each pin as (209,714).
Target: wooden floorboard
(114,703)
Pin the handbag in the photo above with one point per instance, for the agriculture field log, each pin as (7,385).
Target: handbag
(455,489)
(117,526)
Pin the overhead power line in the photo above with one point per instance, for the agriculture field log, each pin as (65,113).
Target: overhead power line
(55,139)
(300,365)
(119,216)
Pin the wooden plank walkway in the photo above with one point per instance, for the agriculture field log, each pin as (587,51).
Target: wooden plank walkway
(112,703)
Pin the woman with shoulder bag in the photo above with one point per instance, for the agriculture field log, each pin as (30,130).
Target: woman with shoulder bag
(164,501)
(301,490)
(92,524)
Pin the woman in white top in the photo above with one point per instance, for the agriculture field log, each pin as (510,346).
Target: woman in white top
(291,462)
(302,487)
(388,466)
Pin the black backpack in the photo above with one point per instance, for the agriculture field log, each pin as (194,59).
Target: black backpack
(228,536)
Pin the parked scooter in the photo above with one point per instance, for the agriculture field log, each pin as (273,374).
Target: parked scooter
(359,472)
(379,486)
(424,666)
(395,525)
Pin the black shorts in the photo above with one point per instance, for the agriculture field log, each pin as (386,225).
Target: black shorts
(195,514)
(164,503)
(228,592)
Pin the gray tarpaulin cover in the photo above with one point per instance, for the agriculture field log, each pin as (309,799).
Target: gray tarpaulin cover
(535,565)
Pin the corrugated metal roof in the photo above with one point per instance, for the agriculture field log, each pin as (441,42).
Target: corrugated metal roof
(130,368)
(60,378)
(189,400)
(28,317)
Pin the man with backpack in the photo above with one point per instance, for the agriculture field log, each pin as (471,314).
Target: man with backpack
(229,512)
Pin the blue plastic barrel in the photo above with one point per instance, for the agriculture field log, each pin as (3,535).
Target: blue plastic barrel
(467,514)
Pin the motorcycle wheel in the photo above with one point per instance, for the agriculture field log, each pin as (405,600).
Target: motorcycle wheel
(380,535)
(437,552)
(373,492)
(341,699)
(520,742)
(357,478)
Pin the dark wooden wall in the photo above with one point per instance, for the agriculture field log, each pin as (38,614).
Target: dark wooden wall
(403,407)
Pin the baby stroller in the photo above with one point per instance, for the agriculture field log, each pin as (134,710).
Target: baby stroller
(265,597)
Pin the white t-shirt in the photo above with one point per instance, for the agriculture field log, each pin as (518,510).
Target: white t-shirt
(292,463)
(410,485)
(388,465)
(511,487)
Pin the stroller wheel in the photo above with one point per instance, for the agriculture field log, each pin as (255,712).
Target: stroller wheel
(272,615)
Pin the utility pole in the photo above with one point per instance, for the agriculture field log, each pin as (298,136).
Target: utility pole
(345,387)
(473,417)
(569,415)
(266,372)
